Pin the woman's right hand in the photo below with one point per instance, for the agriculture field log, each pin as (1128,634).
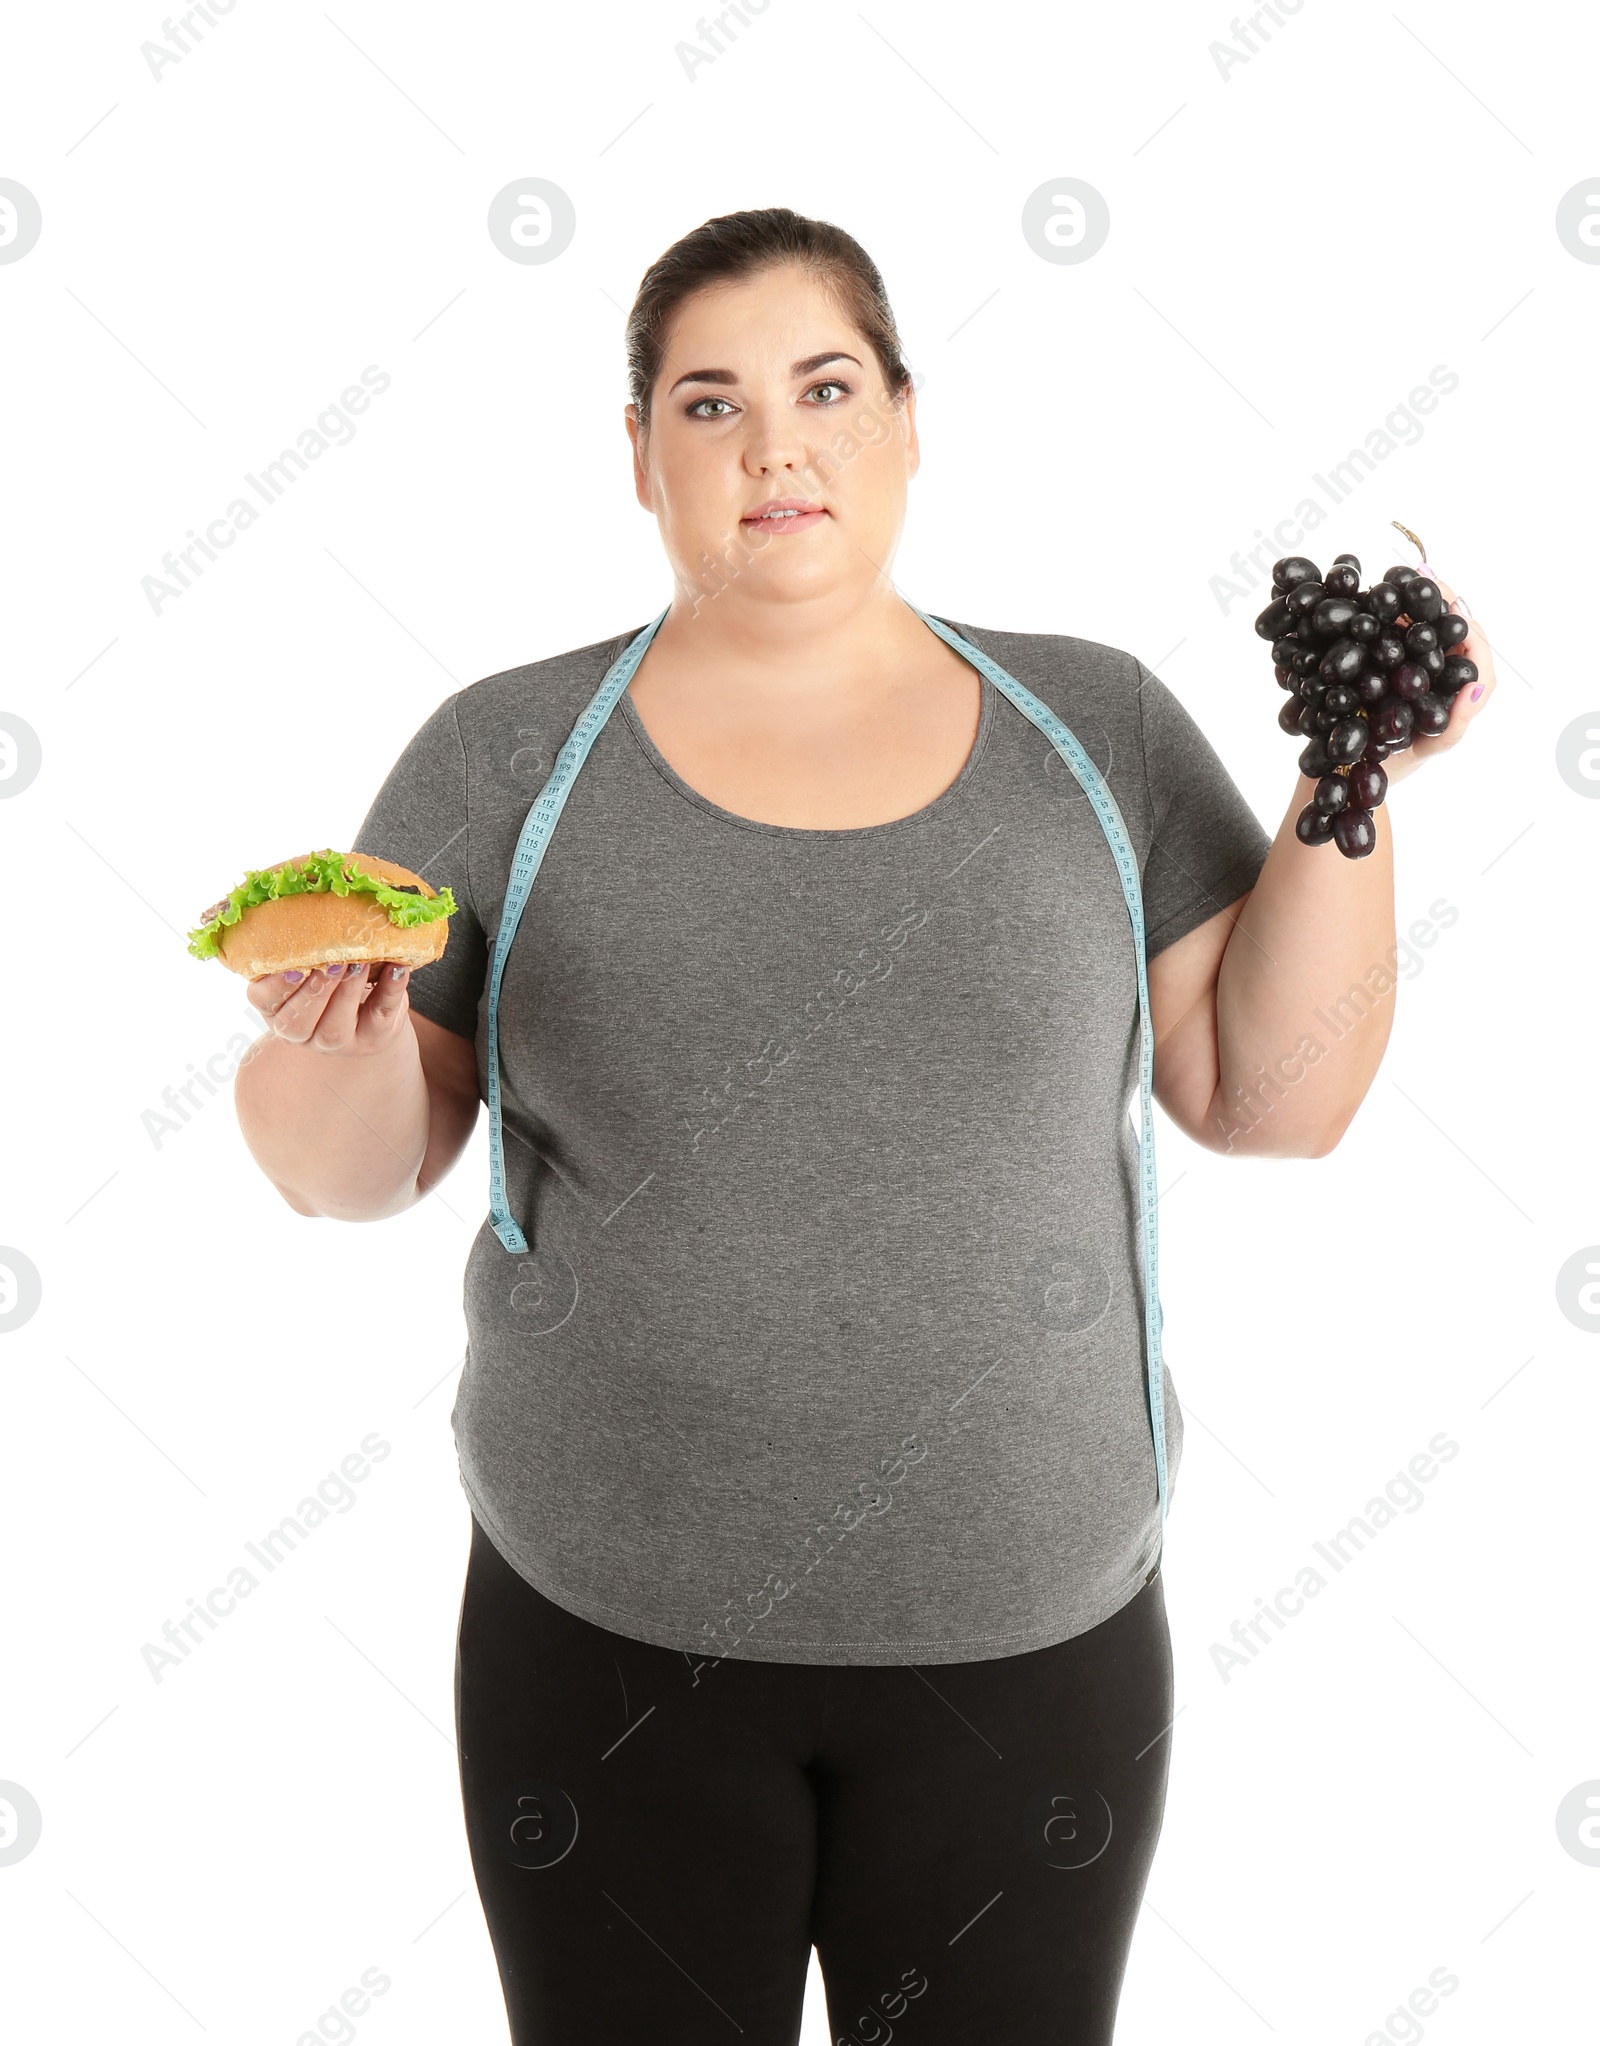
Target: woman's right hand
(356,1011)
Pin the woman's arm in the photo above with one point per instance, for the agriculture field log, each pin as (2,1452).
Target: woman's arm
(1271,1018)
(352,1105)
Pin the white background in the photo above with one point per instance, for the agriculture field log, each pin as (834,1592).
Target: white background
(1294,246)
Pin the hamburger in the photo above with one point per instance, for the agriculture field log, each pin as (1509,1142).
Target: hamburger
(321,909)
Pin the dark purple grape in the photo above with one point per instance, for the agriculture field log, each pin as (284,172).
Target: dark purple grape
(1420,639)
(1284,651)
(1409,681)
(1368,783)
(1312,688)
(1432,714)
(1294,568)
(1289,715)
(1304,598)
(1308,720)
(1332,793)
(1371,685)
(1424,601)
(1354,832)
(1400,576)
(1343,661)
(1452,629)
(1432,663)
(1391,721)
(1383,602)
(1307,661)
(1457,672)
(1303,631)
(1315,760)
(1387,651)
(1274,621)
(1285,678)
(1363,628)
(1332,616)
(1342,698)
(1353,559)
(1347,741)
(1342,580)
(1313,826)
(1326,720)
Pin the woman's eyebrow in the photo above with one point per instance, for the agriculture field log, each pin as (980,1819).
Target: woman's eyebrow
(802,368)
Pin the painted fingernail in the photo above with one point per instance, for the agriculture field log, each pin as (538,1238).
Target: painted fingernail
(334,968)
(398,974)
(1477,692)
(293,973)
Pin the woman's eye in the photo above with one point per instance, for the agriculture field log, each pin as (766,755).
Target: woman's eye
(830,384)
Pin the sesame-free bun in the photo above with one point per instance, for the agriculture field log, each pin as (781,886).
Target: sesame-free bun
(299,932)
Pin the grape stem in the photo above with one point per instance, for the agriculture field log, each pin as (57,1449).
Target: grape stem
(1422,552)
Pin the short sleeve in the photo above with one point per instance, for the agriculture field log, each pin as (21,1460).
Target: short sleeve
(1207,846)
(419,819)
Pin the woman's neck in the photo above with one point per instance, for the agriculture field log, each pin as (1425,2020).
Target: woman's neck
(789,648)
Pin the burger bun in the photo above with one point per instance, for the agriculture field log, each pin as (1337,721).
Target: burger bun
(296,933)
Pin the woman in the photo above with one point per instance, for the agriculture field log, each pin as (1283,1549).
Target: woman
(813,1591)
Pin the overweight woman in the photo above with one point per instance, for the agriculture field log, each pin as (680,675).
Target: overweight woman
(816,1466)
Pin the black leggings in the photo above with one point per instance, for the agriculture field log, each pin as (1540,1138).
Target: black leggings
(659,1838)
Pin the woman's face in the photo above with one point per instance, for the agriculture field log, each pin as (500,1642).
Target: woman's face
(767,392)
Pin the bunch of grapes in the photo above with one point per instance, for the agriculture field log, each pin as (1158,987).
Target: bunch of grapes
(1367,672)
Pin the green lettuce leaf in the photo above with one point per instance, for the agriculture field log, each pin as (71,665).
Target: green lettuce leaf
(317,874)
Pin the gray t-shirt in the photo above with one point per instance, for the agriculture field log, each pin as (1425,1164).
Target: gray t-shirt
(828,1344)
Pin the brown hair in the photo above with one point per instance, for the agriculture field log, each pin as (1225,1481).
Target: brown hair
(737,245)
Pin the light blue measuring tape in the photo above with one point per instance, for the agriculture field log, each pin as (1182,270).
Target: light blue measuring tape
(541,822)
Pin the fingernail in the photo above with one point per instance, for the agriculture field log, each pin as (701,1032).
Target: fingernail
(1459,604)
(1477,692)
(334,968)
(293,973)
(398,973)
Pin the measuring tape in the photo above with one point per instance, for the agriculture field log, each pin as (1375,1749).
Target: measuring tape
(541,822)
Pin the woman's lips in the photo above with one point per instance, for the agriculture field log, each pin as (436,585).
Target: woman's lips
(789,522)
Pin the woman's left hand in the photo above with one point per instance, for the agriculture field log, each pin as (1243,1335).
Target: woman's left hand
(1464,709)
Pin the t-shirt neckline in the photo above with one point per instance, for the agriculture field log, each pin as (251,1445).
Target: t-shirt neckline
(675,781)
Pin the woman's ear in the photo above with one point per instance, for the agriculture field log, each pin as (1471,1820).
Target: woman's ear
(641,483)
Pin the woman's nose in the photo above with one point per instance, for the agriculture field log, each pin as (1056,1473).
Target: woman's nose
(774,439)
